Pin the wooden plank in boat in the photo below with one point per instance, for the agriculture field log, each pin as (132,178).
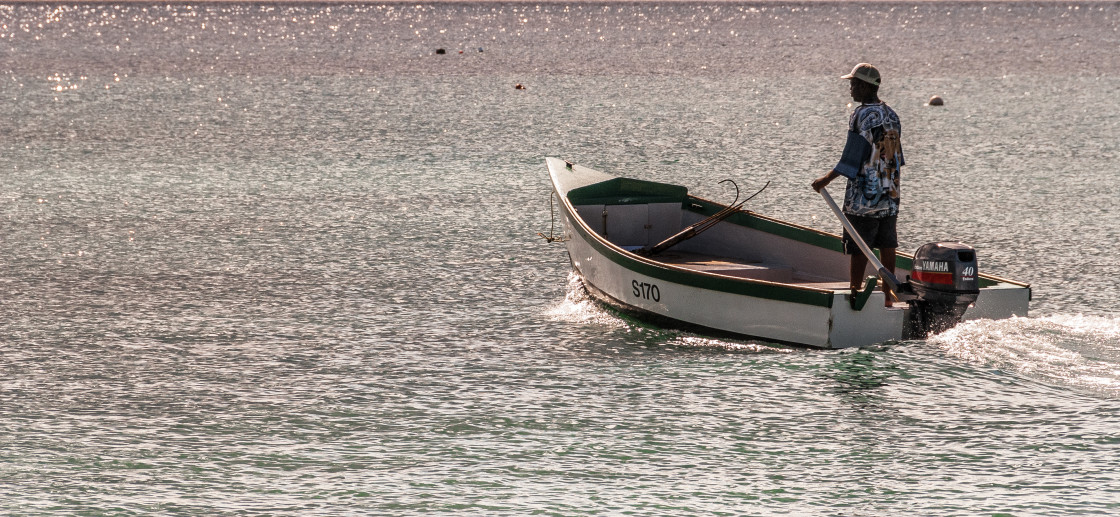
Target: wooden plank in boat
(730,266)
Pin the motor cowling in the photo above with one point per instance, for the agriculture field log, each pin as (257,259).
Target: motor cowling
(946,282)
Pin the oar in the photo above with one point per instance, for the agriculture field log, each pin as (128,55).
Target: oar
(887,276)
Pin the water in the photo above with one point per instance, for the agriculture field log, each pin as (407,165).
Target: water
(273,259)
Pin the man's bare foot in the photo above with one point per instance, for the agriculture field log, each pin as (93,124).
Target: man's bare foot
(890,298)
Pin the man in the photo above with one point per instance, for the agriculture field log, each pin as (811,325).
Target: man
(871,163)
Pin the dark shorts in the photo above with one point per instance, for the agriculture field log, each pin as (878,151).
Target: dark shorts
(877,232)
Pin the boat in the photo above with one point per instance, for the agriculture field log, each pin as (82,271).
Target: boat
(635,246)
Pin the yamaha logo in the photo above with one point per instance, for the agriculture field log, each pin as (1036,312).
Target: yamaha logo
(938,266)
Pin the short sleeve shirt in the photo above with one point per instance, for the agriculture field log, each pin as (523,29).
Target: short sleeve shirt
(875,190)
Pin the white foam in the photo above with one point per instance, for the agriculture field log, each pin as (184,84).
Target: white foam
(732,346)
(578,307)
(1074,350)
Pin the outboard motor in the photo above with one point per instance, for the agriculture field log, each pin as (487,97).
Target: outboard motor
(945,281)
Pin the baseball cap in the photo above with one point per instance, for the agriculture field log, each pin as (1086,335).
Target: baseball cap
(865,72)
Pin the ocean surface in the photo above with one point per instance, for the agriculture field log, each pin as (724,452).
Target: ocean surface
(278,259)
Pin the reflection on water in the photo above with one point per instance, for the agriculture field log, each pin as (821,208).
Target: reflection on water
(859,371)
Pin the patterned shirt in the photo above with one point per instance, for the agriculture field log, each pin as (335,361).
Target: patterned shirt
(875,188)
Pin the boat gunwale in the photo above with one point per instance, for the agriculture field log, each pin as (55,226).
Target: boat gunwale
(801,294)
(595,239)
(618,249)
(909,257)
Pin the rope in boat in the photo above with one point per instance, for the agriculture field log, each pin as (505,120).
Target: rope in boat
(551,237)
(732,208)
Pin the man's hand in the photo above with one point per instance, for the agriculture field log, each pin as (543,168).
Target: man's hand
(823,181)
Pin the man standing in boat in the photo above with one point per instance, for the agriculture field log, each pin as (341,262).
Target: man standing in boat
(871,161)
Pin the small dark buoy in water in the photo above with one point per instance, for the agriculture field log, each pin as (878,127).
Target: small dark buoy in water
(936,101)
(441,51)
(519,86)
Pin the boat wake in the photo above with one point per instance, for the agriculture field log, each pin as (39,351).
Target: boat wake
(1078,351)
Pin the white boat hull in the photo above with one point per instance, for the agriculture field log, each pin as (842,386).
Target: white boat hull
(775,320)
(742,299)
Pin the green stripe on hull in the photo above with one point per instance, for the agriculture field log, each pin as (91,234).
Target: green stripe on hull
(757,289)
(670,322)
